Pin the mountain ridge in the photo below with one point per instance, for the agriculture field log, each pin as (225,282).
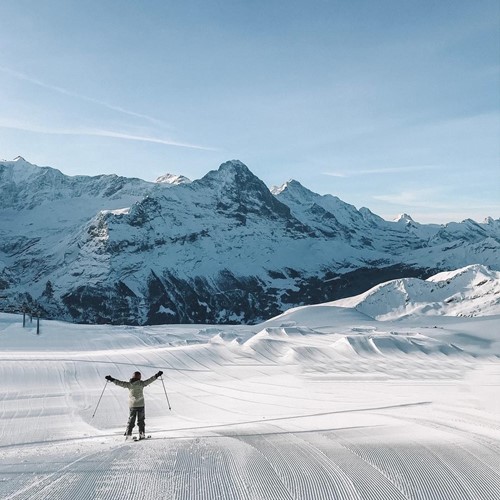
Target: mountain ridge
(469,291)
(222,248)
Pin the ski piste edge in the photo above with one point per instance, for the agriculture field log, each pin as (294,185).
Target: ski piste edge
(135,438)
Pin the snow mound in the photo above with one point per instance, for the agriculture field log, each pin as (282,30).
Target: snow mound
(393,344)
(316,316)
(277,342)
(305,347)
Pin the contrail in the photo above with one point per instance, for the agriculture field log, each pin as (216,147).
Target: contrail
(101,133)
(61,90)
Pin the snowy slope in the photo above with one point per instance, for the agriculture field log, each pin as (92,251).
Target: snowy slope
(24,186)
(173,179)
(470,291)
(322,402)
(220,249)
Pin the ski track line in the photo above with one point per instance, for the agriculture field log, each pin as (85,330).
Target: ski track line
(242,486)
(197,399)
(278,463)
(424,474)
(370,482)
(403,471)
(492,469)
(467,473)
(261,478)
(305,471)
(211,368)
(186,357)
(95,362)
(164,361)
(454,418)
(221,392)
(213,359)
(304,483)
(48,480)
(218,385)
(479,421)
(398,476)
(197,386)
(277,419)
(206,473)
(397,480)
(432,475)
(135,474)
(469,435)
(234,484)
(147,360)
(343,484)
(123,472)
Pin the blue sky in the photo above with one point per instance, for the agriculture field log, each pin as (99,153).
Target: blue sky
(393,105)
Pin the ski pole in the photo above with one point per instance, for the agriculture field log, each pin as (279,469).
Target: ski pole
(100,399)
(161,378)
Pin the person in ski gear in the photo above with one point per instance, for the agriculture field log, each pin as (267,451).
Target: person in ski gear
(136,400)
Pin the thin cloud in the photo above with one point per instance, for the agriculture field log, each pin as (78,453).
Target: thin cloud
(416,198)
(100,133)
(168,142)
(376,171)
(61,90)
(335,174)
(392,170)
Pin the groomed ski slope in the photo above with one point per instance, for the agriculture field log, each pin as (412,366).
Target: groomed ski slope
(321,403)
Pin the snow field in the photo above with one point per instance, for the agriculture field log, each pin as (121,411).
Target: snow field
(342,407)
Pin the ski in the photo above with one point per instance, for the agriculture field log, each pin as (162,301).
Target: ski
(135,438)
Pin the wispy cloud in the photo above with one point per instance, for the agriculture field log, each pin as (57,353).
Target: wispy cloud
(438,203)
(416,198)
(98,133)
(61,90)
(335,174)
(377,171)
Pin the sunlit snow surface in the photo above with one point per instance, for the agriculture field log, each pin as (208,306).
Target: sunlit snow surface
(320,403)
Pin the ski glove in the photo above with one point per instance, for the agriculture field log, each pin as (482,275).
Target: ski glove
(159,374)
(109,378)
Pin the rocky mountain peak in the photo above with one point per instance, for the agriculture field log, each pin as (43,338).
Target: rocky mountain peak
(237,190)
(233,176)
(404,219)
(235,171)
(295,190)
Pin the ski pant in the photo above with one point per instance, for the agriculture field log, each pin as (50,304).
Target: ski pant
(140,414)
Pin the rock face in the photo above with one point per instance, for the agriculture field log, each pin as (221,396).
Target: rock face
(223,248)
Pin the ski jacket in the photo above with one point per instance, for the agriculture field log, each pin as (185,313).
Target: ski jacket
(136,388)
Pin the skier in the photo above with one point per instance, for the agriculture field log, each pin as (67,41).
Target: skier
(136,400)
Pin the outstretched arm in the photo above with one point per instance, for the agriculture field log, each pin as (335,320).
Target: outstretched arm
(153,378)
(119,383)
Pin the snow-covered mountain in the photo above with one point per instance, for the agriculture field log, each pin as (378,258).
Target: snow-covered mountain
(24,186)
(173,179)
(223,248)
(470,291)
